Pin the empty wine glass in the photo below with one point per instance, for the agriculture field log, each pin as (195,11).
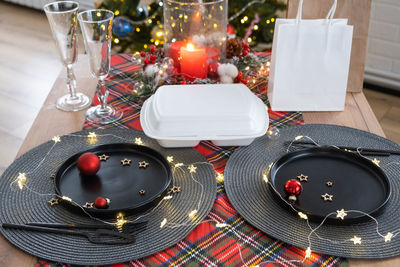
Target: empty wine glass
(63,23)
(96,27)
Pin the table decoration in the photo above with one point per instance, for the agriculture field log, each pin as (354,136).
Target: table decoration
(62,18)
(249,189)
(27,187)
(223,237)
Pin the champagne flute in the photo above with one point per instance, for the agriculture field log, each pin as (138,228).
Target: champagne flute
(63,23)
(96,27)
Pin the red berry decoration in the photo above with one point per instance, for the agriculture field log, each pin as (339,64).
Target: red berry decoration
(88,164)
(146,61)
(101,203)
(293,187)
(153,48)
(183,82)
(142,54)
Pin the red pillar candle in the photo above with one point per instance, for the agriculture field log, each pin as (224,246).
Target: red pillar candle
(175,52)
(193,62)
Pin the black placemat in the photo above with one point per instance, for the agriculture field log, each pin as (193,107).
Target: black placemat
(252,198)
(20,206)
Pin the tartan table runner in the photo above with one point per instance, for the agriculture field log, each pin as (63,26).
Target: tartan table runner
(237,245)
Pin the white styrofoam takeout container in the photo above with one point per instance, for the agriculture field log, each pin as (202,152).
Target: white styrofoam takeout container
(184,115)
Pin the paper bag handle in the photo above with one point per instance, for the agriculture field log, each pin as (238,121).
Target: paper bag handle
(329,16)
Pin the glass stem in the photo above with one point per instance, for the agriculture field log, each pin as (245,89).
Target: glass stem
(71,82)
(102,94)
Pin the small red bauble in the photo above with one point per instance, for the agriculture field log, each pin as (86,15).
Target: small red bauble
(142,54)
(153,48)
(183,82)
(153,57)
(293,187)
(146,61)
(101,203)
(88,163)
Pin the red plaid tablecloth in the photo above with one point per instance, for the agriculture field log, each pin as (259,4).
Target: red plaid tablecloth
(206,244)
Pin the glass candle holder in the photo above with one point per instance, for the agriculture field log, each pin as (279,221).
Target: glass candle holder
(195,34)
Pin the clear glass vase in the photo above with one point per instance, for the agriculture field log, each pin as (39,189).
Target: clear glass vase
(195,34)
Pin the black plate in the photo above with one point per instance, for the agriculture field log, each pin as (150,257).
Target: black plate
(358,184)
(121,184)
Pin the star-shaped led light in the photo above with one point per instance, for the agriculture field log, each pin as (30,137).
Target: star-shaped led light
(341,214)
(220,177)
(142,192)
(170,159)
(163,223)
(143,164)
(175,189)
(192,214)
(376,162)
(21,180)
(192,168)
(138,141)
(308,253)
(53,201)
(302,215)
(52,176)
(126,162)
(388,237)
(329,184)
(92,135)
(103,157)
(89,205)
(56,139)
(356,240)
(327,197)
(303,178)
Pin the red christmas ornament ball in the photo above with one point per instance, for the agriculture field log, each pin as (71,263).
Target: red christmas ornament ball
(88,163)
(142,54)
(153,48)
(293,187)
(101,203)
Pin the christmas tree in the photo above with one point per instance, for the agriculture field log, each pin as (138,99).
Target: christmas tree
(137,26)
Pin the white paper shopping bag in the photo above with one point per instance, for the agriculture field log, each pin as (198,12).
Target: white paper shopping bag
(310,63)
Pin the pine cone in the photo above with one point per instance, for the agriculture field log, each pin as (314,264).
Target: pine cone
(234,48)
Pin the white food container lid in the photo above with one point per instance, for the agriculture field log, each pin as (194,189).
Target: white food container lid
(204,112)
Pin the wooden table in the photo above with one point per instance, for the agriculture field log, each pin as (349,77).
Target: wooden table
(51,122)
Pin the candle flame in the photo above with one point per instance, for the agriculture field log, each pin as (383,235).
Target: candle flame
(190,47)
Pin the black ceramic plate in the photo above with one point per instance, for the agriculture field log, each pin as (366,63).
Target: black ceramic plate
(358,184)
(121,184)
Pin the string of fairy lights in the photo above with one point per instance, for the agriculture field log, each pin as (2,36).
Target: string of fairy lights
(22,182)
(158,33)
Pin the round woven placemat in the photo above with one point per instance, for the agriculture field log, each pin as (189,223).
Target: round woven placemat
(253,200)
(24,206)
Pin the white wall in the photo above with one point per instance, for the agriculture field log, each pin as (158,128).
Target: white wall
(383,51)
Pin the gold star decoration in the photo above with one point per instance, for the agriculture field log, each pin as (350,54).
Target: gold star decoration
(376,162)
(53,201)
(327,197)
(329,184)
(92,135)
(143,164)
(192,168)
(175,189)
(52,176)
(142,192)
(126,162)
(388,237)
(56,139)
(170,159)
(89,205)
(341,213)
(303,178)
(103,157)
(138,141)
(356,240)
